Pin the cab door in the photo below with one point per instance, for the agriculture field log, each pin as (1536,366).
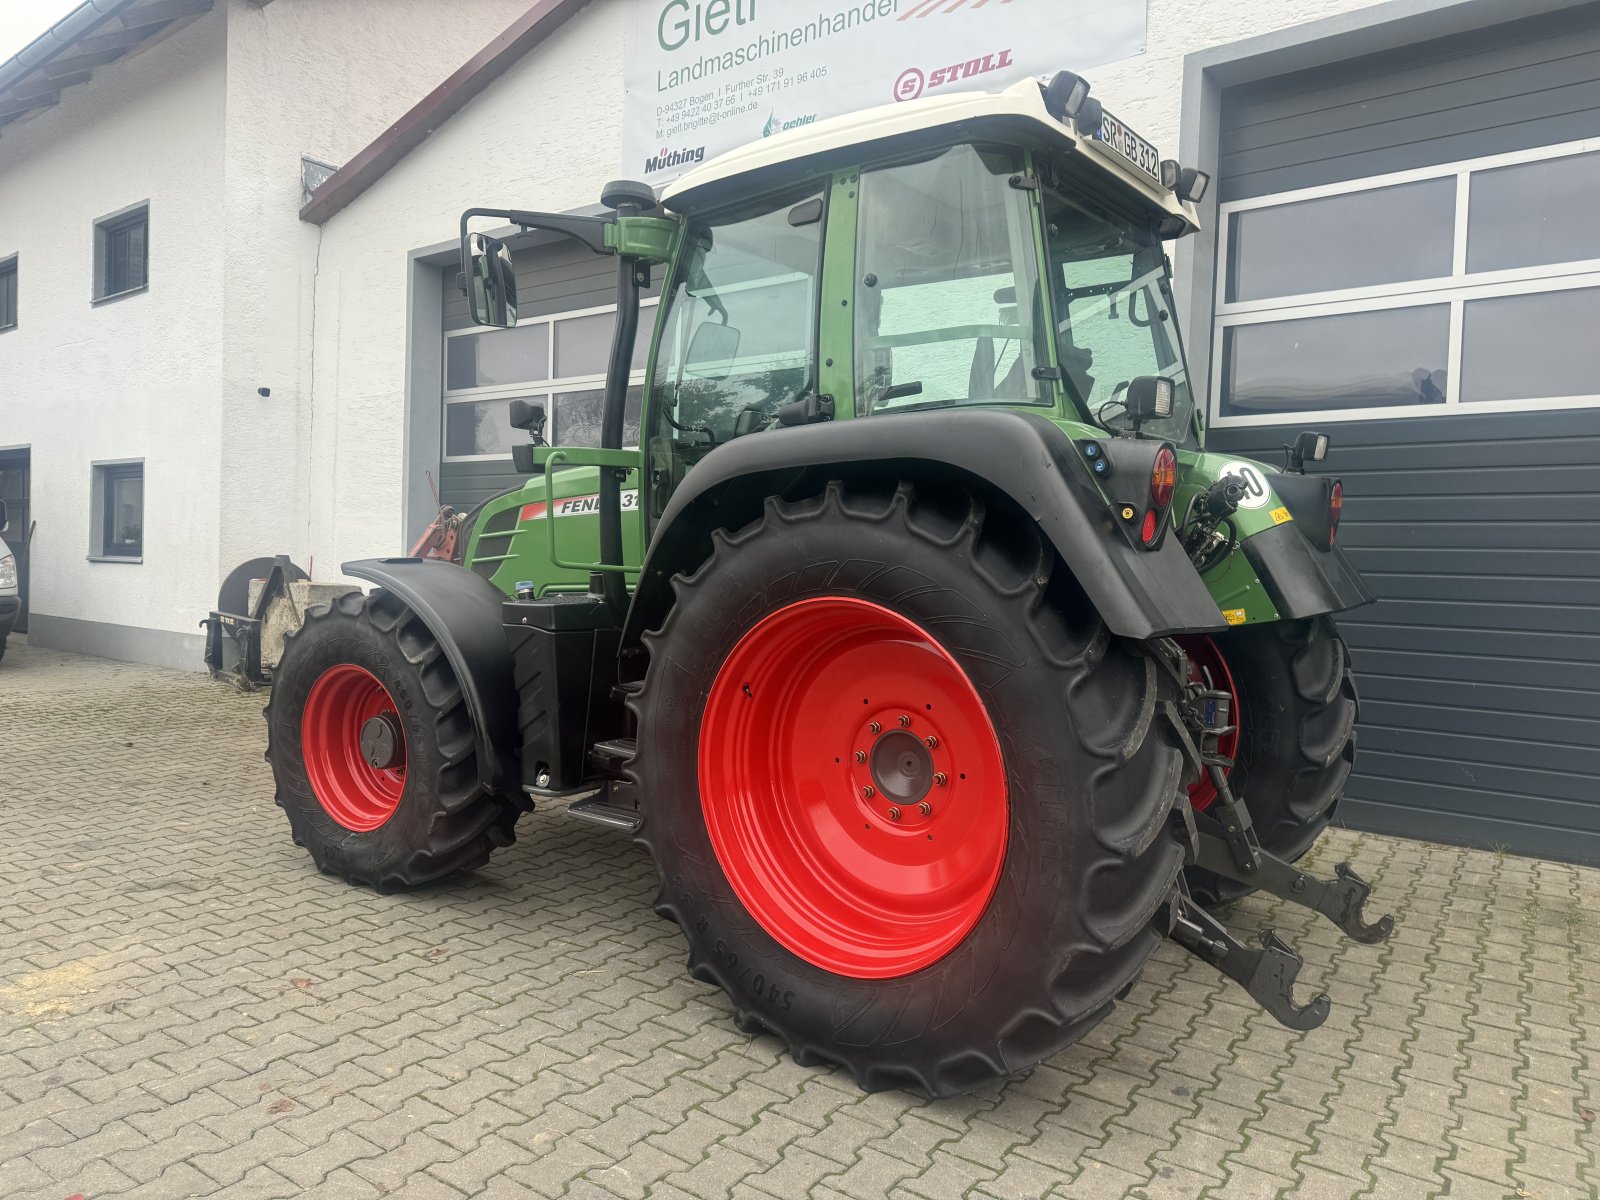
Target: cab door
(737,338)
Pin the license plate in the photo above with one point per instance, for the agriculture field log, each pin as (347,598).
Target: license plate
(1130,146)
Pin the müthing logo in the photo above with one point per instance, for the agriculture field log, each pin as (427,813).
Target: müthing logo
(674,158)
(912,82)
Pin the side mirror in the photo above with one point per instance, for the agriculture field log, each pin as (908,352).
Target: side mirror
(1149,398)
(491,282)
(711,351)
(5,521)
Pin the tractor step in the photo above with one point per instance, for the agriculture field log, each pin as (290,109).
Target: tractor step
(611,758)
(1268,974)
(615,806)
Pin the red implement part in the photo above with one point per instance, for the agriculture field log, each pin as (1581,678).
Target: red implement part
(439,539)
(1207,666)
(853,787)
(344,703)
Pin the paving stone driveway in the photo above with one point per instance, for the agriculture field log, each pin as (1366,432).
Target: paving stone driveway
(187,1008)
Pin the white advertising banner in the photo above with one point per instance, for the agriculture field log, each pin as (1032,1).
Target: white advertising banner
(704,76)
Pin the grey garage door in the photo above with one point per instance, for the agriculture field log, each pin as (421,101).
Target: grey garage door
(1410,261)
(556,355)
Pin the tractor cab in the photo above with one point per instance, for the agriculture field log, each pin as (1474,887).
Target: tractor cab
(980,249)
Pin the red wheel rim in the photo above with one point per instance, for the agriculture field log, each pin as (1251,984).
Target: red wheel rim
(357,793)
(827,715)
(1207,666)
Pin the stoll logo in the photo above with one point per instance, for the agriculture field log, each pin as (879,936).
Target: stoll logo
(913,81)
(777,124)
(673,158)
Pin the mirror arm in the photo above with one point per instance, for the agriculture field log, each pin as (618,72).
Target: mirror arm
(591,231)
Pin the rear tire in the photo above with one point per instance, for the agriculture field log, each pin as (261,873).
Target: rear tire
(1297,737)
(422,819)
(1084,774)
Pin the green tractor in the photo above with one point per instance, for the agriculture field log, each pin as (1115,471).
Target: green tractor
(904,618)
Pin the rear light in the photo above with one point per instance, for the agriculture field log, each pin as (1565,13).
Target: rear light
(1163,477)
(1151,526)
(1335,511)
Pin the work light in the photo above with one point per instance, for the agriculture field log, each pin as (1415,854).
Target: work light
(1192,184)
(1064,95)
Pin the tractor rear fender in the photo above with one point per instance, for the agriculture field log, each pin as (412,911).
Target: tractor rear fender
(1139,593)
(462,610)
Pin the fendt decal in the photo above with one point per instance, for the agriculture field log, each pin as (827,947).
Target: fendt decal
(576,506)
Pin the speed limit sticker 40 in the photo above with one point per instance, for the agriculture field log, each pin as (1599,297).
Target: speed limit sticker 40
(1256,491)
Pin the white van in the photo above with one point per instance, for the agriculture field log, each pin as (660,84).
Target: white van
(10,600)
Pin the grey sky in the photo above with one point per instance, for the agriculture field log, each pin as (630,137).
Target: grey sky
(23,20)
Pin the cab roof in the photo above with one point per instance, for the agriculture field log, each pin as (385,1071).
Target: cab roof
(1018,110)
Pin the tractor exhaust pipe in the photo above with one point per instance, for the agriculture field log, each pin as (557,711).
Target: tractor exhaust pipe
(613,418)
(633,275)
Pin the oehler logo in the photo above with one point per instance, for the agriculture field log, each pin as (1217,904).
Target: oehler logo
(674,158)
(777,124)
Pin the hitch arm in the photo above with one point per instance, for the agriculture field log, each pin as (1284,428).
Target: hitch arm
(1268,974)
(1341,899)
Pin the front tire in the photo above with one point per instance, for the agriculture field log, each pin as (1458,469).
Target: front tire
(939,949)
(373,753)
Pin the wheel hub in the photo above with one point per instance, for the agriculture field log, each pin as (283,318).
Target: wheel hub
(382,744)
(898,770)
(901,767)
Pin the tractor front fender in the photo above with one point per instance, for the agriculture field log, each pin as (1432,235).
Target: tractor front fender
(1139,593)
(1301,580)
(462,611)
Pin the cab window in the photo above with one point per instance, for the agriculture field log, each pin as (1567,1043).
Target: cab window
(1116,319)
(738,334)
(946,286)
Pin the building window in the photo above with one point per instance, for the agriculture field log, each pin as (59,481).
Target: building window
(1429,292)
(557,360)
(122,253)
(8,293)
(118,534)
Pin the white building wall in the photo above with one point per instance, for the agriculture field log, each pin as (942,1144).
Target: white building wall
(543,136)
(207,124)
(305,77)
(546,136)
(136,377)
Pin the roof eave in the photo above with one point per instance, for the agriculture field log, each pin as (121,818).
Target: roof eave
(437,107)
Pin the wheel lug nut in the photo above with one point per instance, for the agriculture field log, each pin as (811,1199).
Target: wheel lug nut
(875,727)
(869,792)
(861,756)
(925,809)
(904,720)
(894,814)
(940,778)
(931,742)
